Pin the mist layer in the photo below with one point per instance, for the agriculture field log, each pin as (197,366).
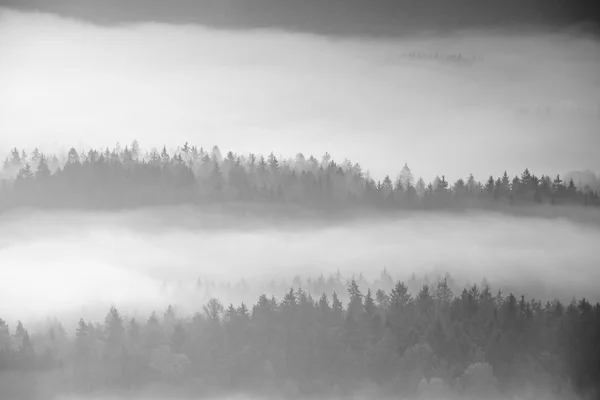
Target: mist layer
(78,263)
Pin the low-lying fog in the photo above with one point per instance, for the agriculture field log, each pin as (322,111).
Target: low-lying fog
(511,101)
(75,264)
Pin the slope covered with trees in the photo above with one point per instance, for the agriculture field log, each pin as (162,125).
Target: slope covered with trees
(127,177)
(379,342)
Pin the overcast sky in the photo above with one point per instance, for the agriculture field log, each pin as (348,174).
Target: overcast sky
(65,83)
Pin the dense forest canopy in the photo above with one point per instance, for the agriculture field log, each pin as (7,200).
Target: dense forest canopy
(127,177)
(437,341)
(349,17)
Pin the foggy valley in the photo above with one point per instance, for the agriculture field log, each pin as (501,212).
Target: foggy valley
(270,200)
(80,259)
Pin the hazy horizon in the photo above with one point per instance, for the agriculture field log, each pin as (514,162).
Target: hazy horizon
(67,83)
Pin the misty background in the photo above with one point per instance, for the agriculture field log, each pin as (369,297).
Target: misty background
(448,89)
(518,100)
(145,260)
(471,100)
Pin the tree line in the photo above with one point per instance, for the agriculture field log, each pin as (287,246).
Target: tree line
(128,177)
(470,344)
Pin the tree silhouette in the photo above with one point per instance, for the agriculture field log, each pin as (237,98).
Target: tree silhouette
(129,177)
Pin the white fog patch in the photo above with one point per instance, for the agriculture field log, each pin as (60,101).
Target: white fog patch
(261,91)
(79,262)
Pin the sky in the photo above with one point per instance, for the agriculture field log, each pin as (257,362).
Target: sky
(66,83)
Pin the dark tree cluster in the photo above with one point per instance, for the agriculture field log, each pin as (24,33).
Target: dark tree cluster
(127,177)
(390,343)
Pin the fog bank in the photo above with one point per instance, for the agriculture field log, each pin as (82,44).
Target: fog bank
(80,263)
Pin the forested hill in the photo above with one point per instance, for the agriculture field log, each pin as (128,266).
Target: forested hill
(333,17)
(388,343)
(129,178)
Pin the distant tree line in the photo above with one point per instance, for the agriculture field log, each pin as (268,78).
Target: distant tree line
(127,177)
(472,344)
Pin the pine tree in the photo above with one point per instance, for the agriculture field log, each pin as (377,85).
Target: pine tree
(424,300)
(471,183)
(19,333)
(42,172)
(6,166)
(505,182)
(420,187)
(24,157)
(490,186)
(443,293)
(558,188)
(5,340)
(26,353)
(230,313)
(289,303)
(273,163)
(399,296)
(25,173)
(16,161)
(324,304)
(382,298)
(81,333)
(242,311)
(216,177)
(406,177)
(526,179)
(114,331)
(355,305)
(369,303)
(82,340)
(337,307)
